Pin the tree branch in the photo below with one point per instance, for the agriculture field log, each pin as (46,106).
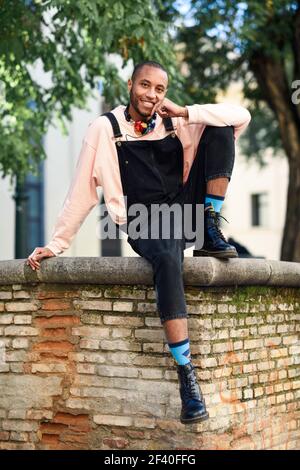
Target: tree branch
(296,50)
(271,77)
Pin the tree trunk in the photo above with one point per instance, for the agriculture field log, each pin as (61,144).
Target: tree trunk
(290,246)
(271,77)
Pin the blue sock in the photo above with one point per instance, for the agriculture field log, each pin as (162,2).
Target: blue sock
(181,352)
(215,201)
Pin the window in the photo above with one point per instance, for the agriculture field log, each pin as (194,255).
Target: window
(34,189)
(259,210)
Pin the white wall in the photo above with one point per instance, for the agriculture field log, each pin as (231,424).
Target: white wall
(248,178)
(7,220)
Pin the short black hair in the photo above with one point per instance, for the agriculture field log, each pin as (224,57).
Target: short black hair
(151,63)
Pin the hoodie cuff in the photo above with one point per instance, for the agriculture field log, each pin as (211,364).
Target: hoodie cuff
(193,114)
(52,246)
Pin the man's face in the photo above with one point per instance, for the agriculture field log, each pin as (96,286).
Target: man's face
(148,90)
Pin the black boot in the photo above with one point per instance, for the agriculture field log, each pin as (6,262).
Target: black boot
(193,405)
(215,244)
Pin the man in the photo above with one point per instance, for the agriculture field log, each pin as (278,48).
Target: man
(154,151)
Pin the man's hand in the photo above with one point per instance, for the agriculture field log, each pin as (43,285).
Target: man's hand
(169,109)
(37,255)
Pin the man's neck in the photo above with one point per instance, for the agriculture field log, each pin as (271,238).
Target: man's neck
(136,116)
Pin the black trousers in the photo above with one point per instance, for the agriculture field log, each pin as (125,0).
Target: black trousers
(214,158)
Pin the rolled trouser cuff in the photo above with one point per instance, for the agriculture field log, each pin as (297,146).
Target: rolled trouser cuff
(172,316)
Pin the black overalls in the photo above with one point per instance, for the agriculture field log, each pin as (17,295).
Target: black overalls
(152,173)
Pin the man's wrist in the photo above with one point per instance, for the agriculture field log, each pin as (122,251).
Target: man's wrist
(184,112)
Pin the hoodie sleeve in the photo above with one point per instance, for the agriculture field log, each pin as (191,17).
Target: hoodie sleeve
(222,114)
(81,198)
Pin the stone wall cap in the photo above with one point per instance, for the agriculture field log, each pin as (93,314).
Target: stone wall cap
(136,270)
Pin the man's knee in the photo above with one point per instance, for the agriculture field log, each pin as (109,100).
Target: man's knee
(221,134)
(220,152)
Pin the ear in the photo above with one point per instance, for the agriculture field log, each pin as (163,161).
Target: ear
(129,84)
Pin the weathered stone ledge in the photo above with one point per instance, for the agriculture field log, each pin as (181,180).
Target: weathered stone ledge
(133,270)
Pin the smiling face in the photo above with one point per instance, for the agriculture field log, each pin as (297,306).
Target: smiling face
(148,89)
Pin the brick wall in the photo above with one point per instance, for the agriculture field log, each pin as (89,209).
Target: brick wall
(86,367)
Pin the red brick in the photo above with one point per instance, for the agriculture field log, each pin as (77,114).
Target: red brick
(136,434)
(52,428)
(54,333)
(54,304)
(56,295)
(116,443)
(57,321)
(58,356)
(54,356)
(119,432)
(77,421)
(50,439)
(75,438)
(27,368)
(53,346)
(66,446)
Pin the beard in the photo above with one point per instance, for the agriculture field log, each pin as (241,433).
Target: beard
(135,104)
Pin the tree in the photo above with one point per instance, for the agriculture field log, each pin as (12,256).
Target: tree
(72,41)
(256,42)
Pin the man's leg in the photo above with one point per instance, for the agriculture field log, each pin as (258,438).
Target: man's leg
(218,152)
(193,404)
(217,186)
(166,258)
(176,330)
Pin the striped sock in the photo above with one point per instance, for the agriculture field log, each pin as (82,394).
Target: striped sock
(215,201)
(181,352)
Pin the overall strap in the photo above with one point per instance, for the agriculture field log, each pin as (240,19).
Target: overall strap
(116,128)
(114,123)
(168,124)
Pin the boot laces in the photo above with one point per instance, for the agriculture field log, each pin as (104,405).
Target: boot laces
(191,388)
(216,226)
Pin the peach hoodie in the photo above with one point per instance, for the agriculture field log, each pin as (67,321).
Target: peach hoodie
(98,162)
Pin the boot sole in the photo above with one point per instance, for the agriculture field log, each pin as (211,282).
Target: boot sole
(195,420)
(216,254)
